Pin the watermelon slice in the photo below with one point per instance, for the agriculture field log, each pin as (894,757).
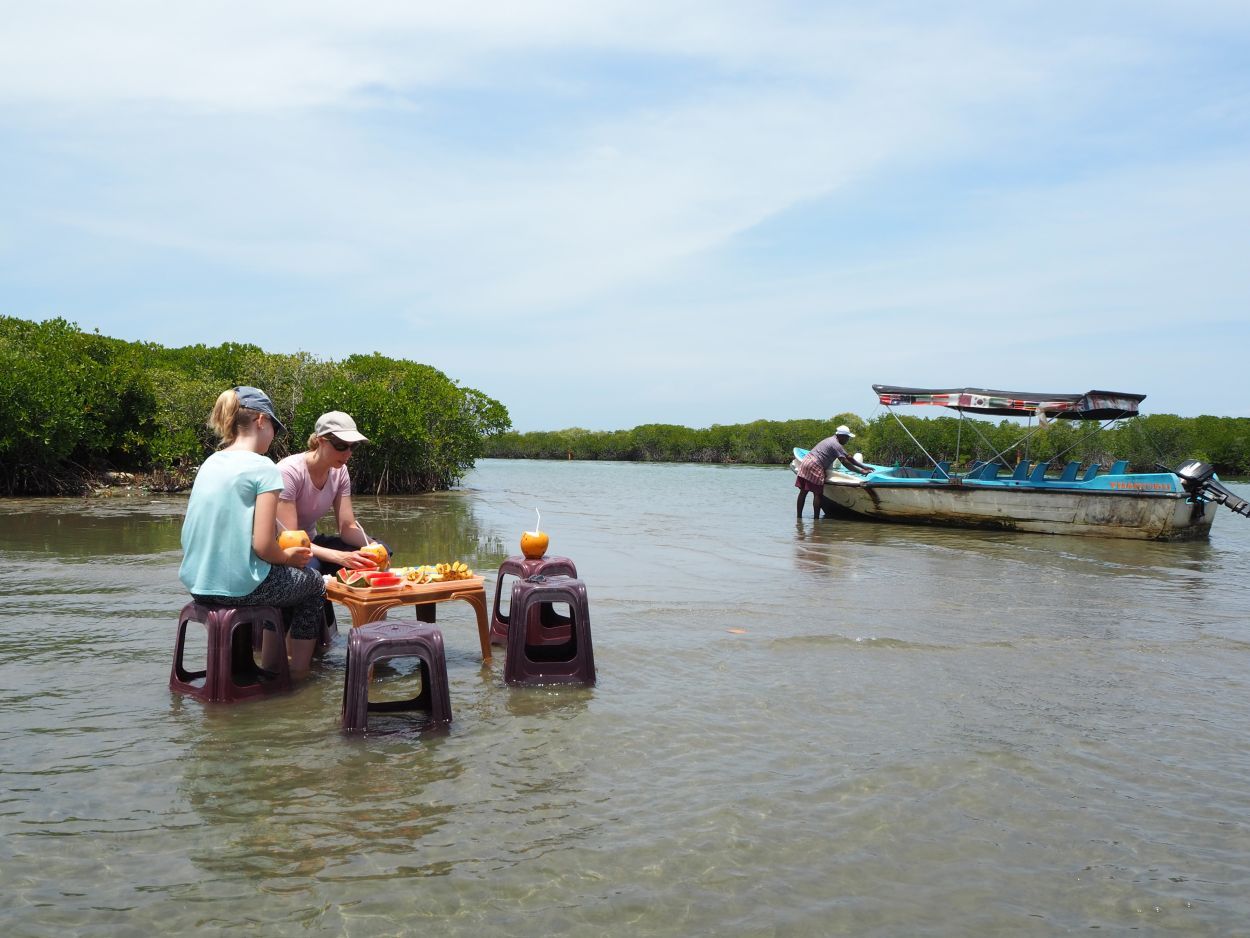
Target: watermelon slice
(356,579)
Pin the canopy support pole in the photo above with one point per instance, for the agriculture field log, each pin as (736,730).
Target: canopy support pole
(913,439)
(1098,429)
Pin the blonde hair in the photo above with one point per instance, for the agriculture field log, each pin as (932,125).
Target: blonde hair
(228,418)
(312,442)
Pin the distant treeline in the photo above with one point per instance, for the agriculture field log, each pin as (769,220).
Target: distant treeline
(74,404)
(1144,441)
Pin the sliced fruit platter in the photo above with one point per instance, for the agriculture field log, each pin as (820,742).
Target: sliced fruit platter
(403,577)
(435,573)
(369,579)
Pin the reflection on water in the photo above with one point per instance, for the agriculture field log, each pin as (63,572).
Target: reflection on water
(799,728)
(285,820)
(431,529)
(77,530)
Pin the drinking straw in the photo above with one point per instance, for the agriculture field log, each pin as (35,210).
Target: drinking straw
(368,539)
(538,525)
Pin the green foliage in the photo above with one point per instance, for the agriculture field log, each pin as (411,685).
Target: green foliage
(70,402)
(181,438)
(763,442)
(425,431)
(74,402)
(1223,442)
(188,380)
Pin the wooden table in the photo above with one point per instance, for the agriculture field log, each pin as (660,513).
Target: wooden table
(370,605)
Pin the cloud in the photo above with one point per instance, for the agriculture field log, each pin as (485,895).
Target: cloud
(631,190)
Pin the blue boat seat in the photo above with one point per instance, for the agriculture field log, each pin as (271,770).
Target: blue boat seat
(986,472)
(942,470)
(1090,472)
(1021,471)
(1039,473)
(1118,467)
(1069,472)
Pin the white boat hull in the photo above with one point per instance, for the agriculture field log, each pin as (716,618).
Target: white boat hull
(1169,516)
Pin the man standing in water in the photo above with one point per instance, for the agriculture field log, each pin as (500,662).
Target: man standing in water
(815,466)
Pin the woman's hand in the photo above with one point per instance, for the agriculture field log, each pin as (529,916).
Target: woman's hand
(354,560)
(297,556)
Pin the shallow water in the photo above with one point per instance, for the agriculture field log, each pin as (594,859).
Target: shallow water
(809,728)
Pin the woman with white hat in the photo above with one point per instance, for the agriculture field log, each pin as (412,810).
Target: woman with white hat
(317,481)
(815,466)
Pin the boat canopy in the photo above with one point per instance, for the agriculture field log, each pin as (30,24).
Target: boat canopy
(1092,405)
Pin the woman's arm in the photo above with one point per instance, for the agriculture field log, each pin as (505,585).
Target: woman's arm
(346,518)
(288,517)
(350,532)
(265,535)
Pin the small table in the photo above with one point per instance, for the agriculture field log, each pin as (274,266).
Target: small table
(370,605)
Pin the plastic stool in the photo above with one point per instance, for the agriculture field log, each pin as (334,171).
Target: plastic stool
(518,566)
(230,671)
(570,662)
(369,644)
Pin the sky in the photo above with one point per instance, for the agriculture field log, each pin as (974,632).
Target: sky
(605,214)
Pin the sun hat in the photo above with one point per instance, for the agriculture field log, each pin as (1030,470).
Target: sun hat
(256,399)
(844,430)
(342,426)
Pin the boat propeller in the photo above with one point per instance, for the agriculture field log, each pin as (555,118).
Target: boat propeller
(1199,480)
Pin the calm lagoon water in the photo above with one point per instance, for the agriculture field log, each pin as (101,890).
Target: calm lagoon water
(799,728)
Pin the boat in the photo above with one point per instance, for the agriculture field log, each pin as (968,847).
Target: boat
(1074,499)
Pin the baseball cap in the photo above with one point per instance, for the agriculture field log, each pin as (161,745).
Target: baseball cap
(844,430)
(340,425)
(256,399)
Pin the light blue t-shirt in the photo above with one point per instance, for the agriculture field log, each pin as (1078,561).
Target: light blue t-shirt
(217,555)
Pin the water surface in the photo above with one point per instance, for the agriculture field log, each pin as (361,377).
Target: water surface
(799,728)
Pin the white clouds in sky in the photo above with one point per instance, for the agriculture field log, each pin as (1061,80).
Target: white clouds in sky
(693,212)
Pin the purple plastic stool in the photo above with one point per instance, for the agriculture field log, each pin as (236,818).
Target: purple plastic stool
(569,662)
(380,641)
(230,670)
(555,627)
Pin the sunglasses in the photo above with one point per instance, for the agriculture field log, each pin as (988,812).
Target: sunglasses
(340,445)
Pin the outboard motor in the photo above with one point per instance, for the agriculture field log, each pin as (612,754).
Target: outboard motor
(1199,480)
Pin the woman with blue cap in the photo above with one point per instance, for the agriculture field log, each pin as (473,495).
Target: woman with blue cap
(231,555)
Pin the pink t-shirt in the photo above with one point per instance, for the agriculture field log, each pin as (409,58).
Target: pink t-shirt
(311,503)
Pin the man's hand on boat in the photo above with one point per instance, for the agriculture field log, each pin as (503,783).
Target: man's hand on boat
(855,464)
